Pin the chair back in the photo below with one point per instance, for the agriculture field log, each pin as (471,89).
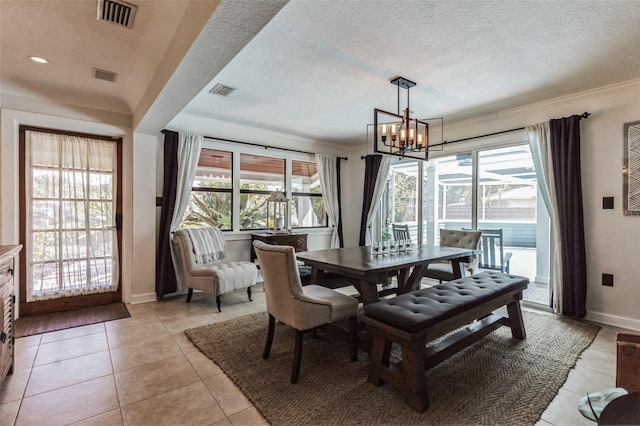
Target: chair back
(492,256)
(282,284)
(469,239)
(201,246)
(400,231)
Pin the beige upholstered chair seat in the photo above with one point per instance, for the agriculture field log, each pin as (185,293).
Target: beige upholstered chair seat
(302,308)
(204,264)
(443,271)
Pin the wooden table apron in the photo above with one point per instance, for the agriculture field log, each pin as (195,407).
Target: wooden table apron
(367,270)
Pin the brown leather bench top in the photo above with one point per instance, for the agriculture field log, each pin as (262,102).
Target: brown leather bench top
(420,309)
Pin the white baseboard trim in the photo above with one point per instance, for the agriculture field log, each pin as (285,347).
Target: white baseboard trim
(143,298)
(614,320)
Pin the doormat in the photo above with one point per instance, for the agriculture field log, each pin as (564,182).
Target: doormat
(44,323)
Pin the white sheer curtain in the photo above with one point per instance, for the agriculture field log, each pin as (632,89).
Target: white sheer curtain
(71,237)
(383,174)
(189,146)
(328,173)
(539,139)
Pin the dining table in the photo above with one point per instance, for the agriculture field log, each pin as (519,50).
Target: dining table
(366,270)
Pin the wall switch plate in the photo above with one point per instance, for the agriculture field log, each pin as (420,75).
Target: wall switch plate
(607,279)
(607,203)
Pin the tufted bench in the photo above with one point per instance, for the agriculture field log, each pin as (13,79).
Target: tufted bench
(416,318)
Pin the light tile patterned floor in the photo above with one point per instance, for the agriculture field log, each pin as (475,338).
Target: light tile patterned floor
(143,371)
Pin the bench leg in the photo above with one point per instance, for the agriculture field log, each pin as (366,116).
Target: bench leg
(218,302)
(249,294)
(515,320)
(379,357)
(415,376)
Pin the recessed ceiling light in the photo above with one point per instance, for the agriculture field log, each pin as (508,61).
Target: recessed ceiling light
(39,59)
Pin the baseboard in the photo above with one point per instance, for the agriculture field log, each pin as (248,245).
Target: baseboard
(614,320)
(143,298)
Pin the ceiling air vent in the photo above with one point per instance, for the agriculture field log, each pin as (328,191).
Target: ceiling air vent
(117,11)
(104,75)
(222,90)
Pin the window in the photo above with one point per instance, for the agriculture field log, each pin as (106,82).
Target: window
(232,184)
(307,205)
(259,177)
(212,192)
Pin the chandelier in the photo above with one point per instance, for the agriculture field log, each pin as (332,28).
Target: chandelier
(402,135)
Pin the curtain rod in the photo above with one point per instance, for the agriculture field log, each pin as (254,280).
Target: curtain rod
(262,146)
(583,115)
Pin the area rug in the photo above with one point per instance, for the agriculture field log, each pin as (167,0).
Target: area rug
(43,323)
(498,380)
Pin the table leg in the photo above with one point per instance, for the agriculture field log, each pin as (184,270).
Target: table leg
(413,281)
(458,268)
(314,275)
(368,291)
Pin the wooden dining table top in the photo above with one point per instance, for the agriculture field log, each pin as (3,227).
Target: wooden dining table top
(366,270)
(360,260)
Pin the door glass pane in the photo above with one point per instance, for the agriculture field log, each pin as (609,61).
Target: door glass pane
(508,201)
(400,200)
(447,195)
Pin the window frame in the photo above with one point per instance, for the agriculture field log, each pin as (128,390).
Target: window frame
(238,148)
(308,194)
(217,190)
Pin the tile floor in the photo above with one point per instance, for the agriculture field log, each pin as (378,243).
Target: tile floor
(144,371)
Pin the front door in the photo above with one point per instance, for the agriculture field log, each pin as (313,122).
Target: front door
(69,206)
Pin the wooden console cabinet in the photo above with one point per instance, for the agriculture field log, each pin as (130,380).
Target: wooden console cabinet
(7,306)
(297,241)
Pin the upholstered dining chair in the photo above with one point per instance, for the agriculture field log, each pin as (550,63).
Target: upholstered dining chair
(443,271)
(302,308)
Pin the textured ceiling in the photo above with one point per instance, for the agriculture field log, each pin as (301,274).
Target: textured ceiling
(319,68)
(315,69)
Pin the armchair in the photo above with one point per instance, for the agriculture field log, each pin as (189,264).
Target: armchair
(205,266)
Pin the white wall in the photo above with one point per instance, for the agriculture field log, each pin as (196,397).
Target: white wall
(143,218)
(612,239)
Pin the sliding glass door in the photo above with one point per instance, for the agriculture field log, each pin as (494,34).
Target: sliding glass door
(495,190)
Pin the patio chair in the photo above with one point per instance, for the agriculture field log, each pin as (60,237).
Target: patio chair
(400,231)
(493,256)
(302,308)
(443,271)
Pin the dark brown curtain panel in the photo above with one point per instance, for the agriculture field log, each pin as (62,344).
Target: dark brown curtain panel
(340,235)
(371,168)
(565,154)
(166,282)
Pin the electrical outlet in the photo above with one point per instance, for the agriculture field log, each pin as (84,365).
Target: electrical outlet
(607,279)
(607,203)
